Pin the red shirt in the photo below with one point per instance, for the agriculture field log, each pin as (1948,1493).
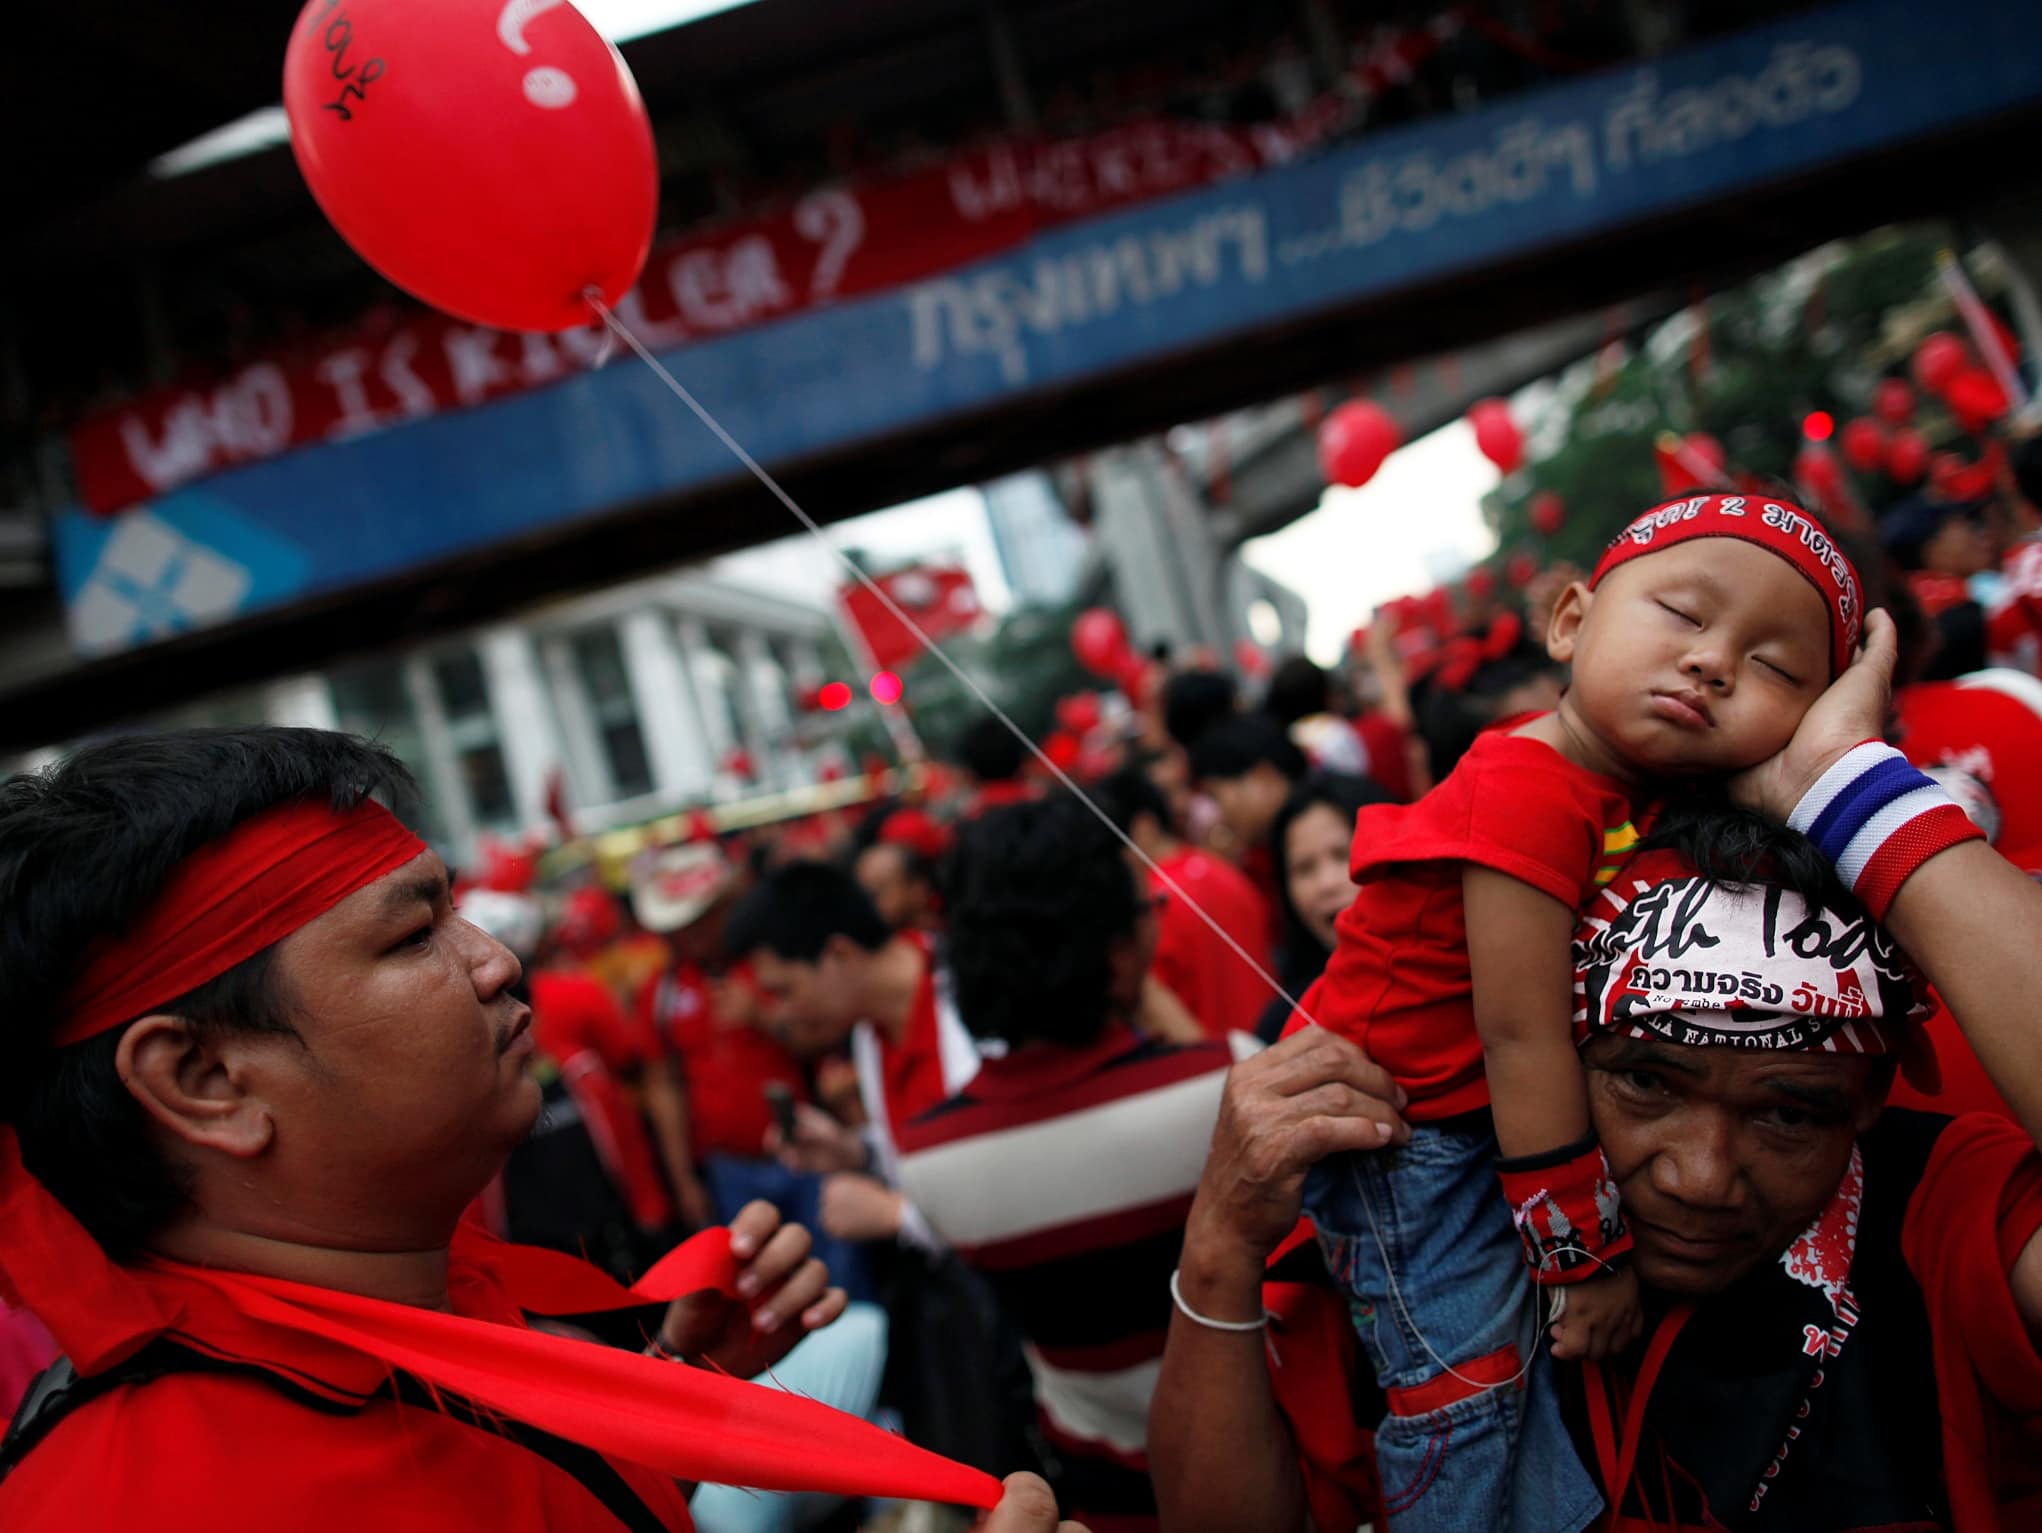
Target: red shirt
(1209,977)
(572,1012)
(725,1063)
(1988,725)
(196,1451)
(1398,982)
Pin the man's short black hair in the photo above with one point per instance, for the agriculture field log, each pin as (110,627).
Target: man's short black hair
(794,911)
(1194,701)
(1298,690)
(2026,461)
(85,846)
(1127,795)
(989,751)
(1734,846)
(1235,746)
(1039,895)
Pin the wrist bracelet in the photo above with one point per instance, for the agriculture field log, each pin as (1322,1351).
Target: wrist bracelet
(1177,1298)
(1877,818)
(1565,1207)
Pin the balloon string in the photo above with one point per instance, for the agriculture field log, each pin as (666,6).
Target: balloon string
(773,487)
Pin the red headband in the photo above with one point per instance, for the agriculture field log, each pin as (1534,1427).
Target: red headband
(1774,525)
(228,901)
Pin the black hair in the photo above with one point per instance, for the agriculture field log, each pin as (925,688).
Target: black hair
(795,910)
(1736,847)
(1039,895)
(1194,701)
(1297,690)
(1449,720)
(1235,746)
(85,846)
(1127,795)
(989,751)
(1960,643)
(2026,462)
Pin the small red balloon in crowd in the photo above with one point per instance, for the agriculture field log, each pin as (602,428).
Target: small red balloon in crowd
(834,696)
(1355,440)
(1079,713)
(1496,434)
(1063,750)
(1481,583)
(1907,456)
(1099,640)
(886,687)
(1975,399)
(1818,472)
(493,160)
(1893,402)
(1548,514)
(1864,444)
(1521,571)
(1937,360)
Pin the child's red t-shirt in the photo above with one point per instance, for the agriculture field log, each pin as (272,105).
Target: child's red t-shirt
(1398,982)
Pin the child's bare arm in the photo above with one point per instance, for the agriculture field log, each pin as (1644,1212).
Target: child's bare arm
(1521,958)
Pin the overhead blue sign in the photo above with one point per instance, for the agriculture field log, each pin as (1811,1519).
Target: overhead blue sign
(1389,212)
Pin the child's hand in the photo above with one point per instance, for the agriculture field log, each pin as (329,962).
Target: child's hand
(1600,1319)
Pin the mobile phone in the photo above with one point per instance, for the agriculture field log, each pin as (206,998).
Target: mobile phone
(780,1098)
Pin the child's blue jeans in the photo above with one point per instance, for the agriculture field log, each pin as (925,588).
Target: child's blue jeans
(1452,1455)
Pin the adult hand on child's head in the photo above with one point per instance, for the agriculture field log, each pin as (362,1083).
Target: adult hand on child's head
(1852,711)
(1284,1110)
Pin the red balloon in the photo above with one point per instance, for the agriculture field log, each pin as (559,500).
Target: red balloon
(1548,514)
(1864,443)
(1975,398)
(1522,570)
(1099,641)
(1907,456)
(1938,359)
(1079,713)
(1354,440)
(1820,474)
(1893,402)
(491,158)
(1496,434)
(1481,583)
(1063,750)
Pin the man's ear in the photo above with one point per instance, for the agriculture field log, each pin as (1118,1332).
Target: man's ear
(194,1085)
(1564,627)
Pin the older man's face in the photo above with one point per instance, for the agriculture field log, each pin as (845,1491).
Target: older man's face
(1723,1156)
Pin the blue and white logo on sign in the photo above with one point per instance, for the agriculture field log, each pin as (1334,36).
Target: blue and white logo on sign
(186,561)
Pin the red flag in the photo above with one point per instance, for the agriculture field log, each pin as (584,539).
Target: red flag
(941,600)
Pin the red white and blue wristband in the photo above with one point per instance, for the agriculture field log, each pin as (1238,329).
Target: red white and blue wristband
(1877,818)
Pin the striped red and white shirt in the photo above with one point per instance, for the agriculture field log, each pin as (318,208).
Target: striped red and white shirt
(1065,1175)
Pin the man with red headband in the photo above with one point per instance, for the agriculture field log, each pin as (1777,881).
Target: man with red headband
(258,1069)
(1844,1306)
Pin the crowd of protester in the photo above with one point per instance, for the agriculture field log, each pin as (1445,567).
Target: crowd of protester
(1033,1073)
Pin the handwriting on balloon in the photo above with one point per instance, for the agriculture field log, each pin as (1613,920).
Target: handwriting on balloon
(337,36)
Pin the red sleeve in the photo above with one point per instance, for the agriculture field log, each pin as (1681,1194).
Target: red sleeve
(1978,1206)
(1513,805)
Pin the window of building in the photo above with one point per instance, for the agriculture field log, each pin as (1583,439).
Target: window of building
(472,732)
(599,660)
